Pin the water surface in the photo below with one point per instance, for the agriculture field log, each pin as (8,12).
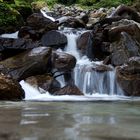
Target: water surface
(70,120)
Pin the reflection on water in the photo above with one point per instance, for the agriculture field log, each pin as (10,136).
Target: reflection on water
(69,121)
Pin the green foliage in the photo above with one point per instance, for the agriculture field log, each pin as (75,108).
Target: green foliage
(103,3)
(9,16)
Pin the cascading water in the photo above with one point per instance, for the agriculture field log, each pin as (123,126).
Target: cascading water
(95,85)
(88,80)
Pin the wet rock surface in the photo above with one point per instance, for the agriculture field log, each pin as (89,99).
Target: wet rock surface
(63,61)
(68,90)
(10,89)
(54,39)
(27,64)
(128,76)
(44,83)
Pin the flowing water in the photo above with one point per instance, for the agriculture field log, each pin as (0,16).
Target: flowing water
(70,120)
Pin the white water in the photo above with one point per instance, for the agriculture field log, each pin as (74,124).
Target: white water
(45,15)
(12,35)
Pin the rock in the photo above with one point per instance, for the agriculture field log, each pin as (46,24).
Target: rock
(10,47)
(29,63)
(102,68)
(38,22)
(63,61)
(2,31)
(128,77)
(127,12)
(125,43)
(131,29)
(54,39)
(37,25)
(68,90)
(85,44)
(45,82)
(10,89)
(74,23)
(28,32)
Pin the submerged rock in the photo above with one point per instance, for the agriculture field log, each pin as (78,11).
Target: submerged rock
(128,77)
(27,64)
(10,89)
(63,61)
(44,83)
(54,39)
(69,90)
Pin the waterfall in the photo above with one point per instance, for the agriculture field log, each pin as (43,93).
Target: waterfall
(86,79)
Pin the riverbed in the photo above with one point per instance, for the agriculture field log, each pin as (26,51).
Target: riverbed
(106,120)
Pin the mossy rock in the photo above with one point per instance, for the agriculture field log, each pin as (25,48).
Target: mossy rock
(10,19)
(37,5)
(23,7)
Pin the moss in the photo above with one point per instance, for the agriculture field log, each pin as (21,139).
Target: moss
(37,5)
(9,17)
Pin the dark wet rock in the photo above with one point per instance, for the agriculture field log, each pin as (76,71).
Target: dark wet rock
(54,39)
(125,43)
(44,82)
(91,45)
(38,22)
(2,31)
(83,42)
(10,89)
(28,32)
(102,68)
(63,61)
(68,90)
(10,47)
(36,26)
(128,77)
(29,63)
(131,29)
(128,13)
(74,23)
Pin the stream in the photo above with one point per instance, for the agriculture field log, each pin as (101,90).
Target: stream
(70,120)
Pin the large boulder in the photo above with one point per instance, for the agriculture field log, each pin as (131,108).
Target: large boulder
(36,26)
(125,43)
(10,47)
(63,61)
(41,23)
(29,63)
(44,83)
(68,90)
(127,12)
(10,89)
(54,39)
(128,77)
